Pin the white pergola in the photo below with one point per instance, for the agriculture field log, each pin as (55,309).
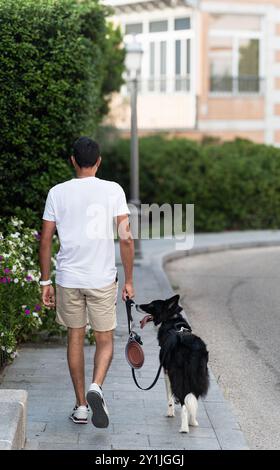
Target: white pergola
(128,6)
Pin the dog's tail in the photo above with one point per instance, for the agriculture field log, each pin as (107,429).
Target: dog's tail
(197,371)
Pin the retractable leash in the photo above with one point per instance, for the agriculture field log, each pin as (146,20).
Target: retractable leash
(134,345)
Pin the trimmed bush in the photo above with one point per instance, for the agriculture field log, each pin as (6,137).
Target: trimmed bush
(234,185)
(59,62)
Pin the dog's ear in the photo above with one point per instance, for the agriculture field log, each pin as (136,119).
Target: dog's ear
(173,301)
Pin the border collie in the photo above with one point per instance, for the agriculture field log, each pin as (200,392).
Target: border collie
(183,355)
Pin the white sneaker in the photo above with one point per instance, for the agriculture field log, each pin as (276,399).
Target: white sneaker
(95,399)
(80,414)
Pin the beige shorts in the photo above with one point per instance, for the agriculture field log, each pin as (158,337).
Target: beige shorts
(75,307)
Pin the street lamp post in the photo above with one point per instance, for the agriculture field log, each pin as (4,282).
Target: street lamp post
(133,65)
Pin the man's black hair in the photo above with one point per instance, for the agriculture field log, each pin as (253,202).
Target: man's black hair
(86,152)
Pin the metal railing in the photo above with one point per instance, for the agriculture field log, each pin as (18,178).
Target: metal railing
(241,84)
(163,84)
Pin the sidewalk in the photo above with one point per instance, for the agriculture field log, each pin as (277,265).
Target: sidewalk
(137,418)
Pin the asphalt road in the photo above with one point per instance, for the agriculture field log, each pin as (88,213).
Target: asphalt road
(233,302)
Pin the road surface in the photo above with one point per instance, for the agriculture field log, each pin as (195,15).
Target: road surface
(232,299)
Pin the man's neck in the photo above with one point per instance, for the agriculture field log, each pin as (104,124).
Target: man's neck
(86,172)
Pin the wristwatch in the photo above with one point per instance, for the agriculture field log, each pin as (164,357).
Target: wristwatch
(45,283)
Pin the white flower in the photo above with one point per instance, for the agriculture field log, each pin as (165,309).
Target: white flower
(15,222)
(31,263)
(22,284)
(1,236)
(40,321)
(3,348)
(35,314)
(2,334)
(14,268)
(24,306)
(25,236)
(16,280)
(14,355)
(22,257)
(9,351)
(15,235)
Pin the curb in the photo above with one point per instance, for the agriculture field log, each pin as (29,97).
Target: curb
(174,255)
(13,411)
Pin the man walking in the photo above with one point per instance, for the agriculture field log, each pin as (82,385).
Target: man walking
(84,210)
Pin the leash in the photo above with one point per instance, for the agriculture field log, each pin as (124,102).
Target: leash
(128,304)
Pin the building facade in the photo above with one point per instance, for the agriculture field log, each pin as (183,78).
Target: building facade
(209,68)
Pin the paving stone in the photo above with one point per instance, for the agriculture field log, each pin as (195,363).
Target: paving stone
(31,444)
(57,446)
(129,442)
(231,439)
(96,438)
(221,416)
(184,442)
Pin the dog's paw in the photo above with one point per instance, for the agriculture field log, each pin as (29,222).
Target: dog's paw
(184,429)
(194,423)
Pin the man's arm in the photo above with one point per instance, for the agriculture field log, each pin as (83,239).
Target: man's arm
(45,253)
(127,254)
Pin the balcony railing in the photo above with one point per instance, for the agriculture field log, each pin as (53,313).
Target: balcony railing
(163,84)
(242,84)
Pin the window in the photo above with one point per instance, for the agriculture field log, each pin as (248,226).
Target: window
(221,60)
(152,67)
(248,65)
(182,23)
(234,54)
(167,60)
(158,26)
(182,64)
(135,28)
(158,66)
(163,66)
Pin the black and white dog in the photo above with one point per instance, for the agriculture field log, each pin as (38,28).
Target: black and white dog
(183,355)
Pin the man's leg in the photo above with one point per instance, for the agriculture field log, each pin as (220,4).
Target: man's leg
(76,362)
(103,355)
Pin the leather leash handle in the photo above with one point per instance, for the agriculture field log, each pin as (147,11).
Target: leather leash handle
(128,304)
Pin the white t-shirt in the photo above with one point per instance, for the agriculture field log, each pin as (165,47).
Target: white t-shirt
(84,210)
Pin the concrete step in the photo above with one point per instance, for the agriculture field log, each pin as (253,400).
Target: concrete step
(13,411)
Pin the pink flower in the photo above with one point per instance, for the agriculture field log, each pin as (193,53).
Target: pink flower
(27,311)
(3,280)
(7,271)
(37,308)
(29,278)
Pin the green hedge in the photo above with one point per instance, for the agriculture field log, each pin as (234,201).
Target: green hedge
(234,185)
(59,61)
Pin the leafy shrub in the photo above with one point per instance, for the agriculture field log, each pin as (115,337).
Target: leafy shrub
(234,185)
(59,62)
